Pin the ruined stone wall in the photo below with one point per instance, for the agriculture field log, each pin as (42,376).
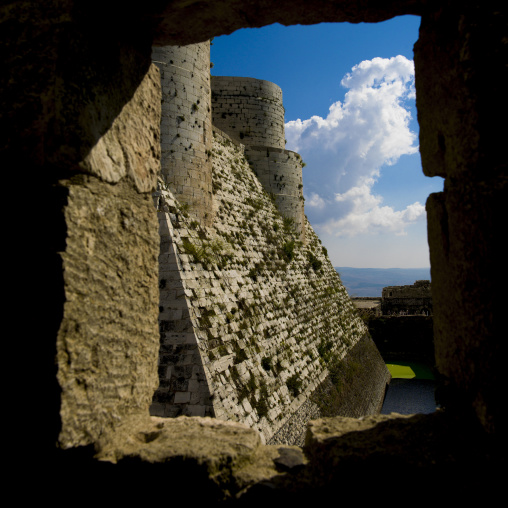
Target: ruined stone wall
(409,299)
(367,306)
(186,124)
(253,322)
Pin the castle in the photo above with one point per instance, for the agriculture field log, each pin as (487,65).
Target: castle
(81,125)
(254,321)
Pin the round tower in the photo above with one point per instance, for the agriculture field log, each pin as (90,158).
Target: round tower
(186,125)
(249,110)
(280,173)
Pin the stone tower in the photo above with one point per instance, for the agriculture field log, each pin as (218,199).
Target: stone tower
(251,112)
(186,125)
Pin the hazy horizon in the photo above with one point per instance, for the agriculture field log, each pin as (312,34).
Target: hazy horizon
(371,281)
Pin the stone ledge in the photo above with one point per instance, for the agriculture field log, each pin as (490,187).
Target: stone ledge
(423,452)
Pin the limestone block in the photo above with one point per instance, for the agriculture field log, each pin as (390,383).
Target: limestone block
(108,333)
(130,146)
(182,397)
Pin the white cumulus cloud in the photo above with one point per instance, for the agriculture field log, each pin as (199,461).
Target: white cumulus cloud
(316,201)
(347,150)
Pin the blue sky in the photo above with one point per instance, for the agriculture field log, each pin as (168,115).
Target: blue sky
(348,91)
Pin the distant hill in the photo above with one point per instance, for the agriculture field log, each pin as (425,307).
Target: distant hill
(371,281)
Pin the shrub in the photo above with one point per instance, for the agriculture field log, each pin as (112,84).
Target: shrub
(324,349)
(240,354)
(266,363)
(243,392)
(288,250)
(294,384)
(289,224)
(261,405)
(198,253)
(314,262)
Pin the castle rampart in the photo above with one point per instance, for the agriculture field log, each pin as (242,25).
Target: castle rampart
(252,324)
(186,124)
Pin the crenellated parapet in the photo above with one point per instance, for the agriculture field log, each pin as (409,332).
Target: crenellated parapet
(186,125)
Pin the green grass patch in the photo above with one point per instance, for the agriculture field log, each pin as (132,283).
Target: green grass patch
(401,371)
(410,370)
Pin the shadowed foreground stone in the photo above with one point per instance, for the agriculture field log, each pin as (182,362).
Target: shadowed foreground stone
(171,20)
(229,454)
(226,462)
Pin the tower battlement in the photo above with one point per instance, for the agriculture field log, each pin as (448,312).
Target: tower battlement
(248,110)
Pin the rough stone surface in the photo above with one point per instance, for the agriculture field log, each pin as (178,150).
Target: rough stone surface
(131,146)
(249,110)
(422,447)
(459,141)
(224,17)
(107,343)
(157,439)
(186,125)
(225,457)
(410,299)
(280,174)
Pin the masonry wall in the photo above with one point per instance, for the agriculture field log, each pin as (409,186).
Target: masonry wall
(410,299)
(255,326)
(249,110)
(107,338)
(280,173)
(186,124)
(408,337)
